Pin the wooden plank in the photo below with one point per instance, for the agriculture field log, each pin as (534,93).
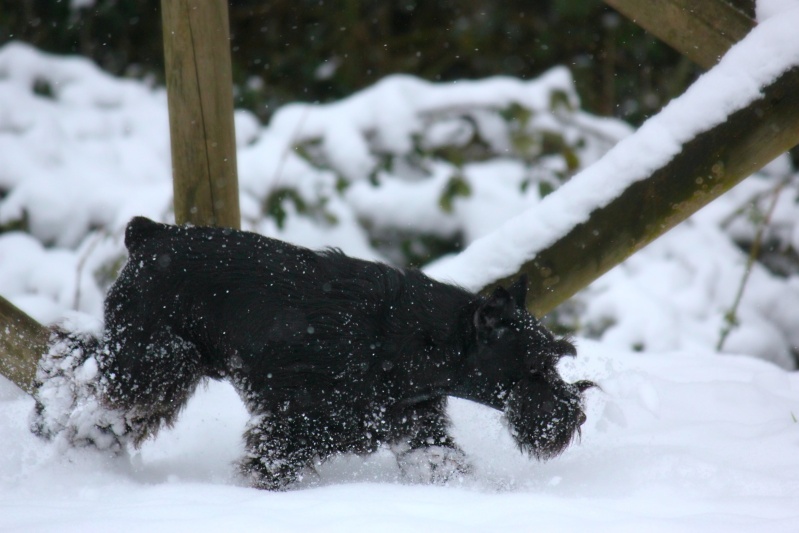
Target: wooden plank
(200,94)
(706,167)
(22,343)
(702,30)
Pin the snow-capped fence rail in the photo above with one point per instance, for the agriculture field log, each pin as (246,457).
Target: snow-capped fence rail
(707,166)
(732,121)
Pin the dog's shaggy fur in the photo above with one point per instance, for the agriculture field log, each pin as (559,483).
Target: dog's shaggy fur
(330,354)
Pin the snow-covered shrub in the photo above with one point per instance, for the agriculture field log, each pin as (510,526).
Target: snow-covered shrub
(422,167)
(681,291)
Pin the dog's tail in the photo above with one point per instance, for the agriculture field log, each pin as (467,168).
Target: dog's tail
(140,230)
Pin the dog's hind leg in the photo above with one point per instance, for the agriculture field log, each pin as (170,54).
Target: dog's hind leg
(425,451)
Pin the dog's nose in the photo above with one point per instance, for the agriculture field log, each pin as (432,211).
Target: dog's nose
(581,418)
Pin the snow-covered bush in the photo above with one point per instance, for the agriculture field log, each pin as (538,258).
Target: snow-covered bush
(422,167)
(403,171)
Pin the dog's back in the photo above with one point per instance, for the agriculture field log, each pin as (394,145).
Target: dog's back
(282,310)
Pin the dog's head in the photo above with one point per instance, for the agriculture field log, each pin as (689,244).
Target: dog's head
(512,366)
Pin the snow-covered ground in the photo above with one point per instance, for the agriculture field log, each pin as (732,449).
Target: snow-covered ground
(680,438)
(683,441)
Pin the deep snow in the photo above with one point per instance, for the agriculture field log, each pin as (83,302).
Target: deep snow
(678,439)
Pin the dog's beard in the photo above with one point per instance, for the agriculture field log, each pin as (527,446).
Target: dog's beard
(544,420)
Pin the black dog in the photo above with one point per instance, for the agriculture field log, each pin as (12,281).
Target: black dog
(330,354)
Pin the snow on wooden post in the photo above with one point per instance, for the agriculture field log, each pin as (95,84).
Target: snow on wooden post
(200,95)
(707,166)
(22,343)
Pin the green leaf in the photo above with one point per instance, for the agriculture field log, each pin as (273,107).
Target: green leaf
(517,113)
(342,184)
(571,158)
(43,87)
(525,144)
(559,100)
(456,187)
(274,204)
(545,188)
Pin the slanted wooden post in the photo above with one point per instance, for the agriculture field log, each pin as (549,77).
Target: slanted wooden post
(200,94)
(22,342)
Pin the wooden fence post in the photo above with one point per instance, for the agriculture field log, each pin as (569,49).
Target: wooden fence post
(200,94)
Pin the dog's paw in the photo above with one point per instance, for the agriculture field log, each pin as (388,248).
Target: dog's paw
(275,475)
(433,464)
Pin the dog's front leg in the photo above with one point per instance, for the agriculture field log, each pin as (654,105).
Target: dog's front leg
(425,451)
(278,452)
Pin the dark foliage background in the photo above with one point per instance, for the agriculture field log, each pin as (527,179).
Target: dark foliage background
(312,50)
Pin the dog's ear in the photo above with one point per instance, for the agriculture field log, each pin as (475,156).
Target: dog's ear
(519,291)
(494,314)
